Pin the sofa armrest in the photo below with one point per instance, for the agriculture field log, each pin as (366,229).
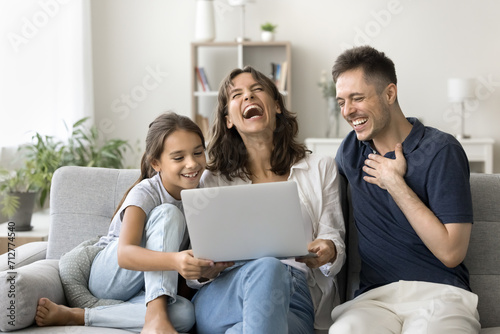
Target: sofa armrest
(23,287)
(23,255)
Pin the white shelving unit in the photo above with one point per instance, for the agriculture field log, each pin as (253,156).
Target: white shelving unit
(479,150)
(219,58)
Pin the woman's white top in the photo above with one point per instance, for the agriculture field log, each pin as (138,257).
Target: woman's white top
(318,185)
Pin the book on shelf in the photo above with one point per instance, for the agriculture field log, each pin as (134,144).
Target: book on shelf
(283,76)
(279,75)
(202,79)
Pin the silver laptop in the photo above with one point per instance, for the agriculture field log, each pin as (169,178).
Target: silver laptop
(244,222)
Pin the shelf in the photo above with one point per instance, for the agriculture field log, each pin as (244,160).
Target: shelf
(215,93)
(211,93)
(236,44)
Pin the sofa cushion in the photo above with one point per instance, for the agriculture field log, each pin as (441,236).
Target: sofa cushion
(483,255)
(74,270)
(71,330)
(23,287)
(348,278)
(89,210)
(25,254)
(492,330)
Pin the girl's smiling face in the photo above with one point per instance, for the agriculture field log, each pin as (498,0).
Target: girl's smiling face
(182,162)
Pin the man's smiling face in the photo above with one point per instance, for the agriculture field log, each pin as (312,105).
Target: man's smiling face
(361,106)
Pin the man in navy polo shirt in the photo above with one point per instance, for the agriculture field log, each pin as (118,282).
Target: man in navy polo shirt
(412,207)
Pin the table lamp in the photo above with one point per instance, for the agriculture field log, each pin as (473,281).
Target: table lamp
(242,4)
(459,91)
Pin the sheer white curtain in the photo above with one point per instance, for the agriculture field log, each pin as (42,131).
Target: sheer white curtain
(45,67)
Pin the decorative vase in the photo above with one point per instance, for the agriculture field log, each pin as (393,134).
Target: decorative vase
(267,36)
(205,23)
(22,217)
(333,118)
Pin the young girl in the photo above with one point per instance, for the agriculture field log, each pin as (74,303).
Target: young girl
(145,248)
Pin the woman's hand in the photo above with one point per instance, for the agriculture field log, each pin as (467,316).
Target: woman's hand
(192,268)
(326,251)
(214,271)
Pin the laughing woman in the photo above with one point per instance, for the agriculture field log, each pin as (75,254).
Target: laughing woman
(253,141)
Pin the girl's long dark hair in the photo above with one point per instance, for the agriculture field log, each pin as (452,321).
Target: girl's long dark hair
(226,151)
(162,127)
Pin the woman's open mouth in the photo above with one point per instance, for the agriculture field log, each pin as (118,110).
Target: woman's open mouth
(252,111)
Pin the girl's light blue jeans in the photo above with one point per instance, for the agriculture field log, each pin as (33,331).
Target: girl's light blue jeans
(164,231)
(262,296)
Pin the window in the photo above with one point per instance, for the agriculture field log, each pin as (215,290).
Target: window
(45,66)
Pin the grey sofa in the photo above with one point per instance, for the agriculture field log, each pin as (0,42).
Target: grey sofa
(83,200)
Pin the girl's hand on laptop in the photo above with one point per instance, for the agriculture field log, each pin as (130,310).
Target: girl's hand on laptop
(215,270)
(326,251)
(192,268)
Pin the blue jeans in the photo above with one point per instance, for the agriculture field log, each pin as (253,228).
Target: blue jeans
(262,296)
(163,232)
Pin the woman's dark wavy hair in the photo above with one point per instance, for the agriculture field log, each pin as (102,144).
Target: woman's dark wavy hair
(162,127)
(226,151)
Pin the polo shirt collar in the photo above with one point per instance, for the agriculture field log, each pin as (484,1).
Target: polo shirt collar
(416,134)
(411,141)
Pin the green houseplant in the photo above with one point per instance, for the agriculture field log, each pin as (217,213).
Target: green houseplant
(329,91)
(268,30)
(44,155)
(86,147)
(19,188)
(19,191)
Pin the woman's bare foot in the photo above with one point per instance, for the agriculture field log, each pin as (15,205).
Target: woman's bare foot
(49,313)
(157,321)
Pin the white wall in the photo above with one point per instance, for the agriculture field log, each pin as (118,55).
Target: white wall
(429,41)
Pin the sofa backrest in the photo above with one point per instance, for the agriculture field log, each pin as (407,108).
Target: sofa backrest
(82,202)
(483,256)
(83,199)
(348,279)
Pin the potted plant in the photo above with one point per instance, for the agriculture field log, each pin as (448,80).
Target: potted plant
(268,30)
(86,147)
(19,192)
(329,91)
(19,188)
(42,157)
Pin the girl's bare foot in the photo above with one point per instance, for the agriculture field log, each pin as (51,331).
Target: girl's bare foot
(49,313)
(157,321)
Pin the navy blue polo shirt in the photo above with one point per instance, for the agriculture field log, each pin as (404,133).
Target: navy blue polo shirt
(438,172)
